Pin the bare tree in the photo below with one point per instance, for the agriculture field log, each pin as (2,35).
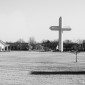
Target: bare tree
(32,40)
(76,50)
(20,41)
(67,41)
(32,43)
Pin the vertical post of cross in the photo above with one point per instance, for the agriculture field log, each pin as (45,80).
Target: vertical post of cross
(60,35)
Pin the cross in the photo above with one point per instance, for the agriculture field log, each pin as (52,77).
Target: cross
(60,29)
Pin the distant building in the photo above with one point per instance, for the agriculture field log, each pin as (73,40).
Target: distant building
(3,46)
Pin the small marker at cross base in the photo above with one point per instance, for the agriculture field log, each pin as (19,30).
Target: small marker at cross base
(60,29)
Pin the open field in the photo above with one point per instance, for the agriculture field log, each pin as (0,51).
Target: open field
(16,68)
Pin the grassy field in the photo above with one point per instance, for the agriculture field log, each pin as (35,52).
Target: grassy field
(16,68)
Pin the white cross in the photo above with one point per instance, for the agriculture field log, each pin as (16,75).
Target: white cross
(60,29)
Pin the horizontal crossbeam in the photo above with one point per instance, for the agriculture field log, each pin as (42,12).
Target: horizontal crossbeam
(55,28)
(58,28)
(66,29)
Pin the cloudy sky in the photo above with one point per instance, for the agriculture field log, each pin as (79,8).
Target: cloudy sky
(32,18)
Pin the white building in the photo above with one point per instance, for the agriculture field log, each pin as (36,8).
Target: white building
(3,46)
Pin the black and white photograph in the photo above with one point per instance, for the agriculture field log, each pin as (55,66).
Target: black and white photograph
(42,42)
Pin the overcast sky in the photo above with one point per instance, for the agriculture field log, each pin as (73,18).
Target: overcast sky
(32,18)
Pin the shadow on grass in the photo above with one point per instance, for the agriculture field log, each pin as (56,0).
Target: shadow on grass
(58,73)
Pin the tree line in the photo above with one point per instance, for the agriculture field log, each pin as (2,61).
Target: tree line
(46,45)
